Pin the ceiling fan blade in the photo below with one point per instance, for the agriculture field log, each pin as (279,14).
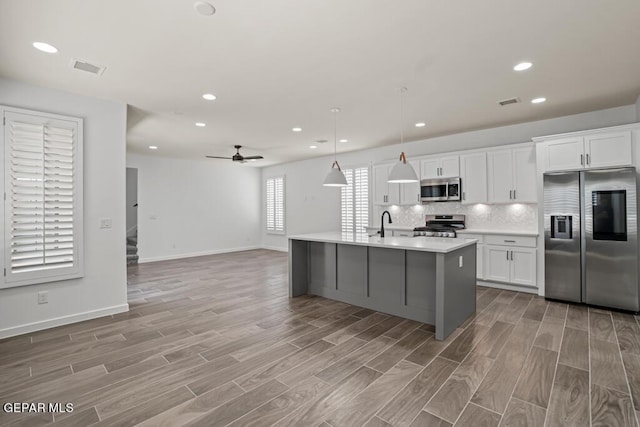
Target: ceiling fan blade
(253,157)
(218,157)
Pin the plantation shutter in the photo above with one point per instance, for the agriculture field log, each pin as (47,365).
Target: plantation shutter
(275,205)
(43,198)
(355,200)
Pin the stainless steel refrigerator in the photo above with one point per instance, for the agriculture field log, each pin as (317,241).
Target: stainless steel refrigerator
(590,233)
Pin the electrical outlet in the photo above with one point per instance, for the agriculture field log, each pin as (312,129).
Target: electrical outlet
(105,222)
(43,297)
(460,261)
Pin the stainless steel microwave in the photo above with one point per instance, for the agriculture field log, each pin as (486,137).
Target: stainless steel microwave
(440,190)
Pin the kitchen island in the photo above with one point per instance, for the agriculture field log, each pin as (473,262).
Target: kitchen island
(431,280)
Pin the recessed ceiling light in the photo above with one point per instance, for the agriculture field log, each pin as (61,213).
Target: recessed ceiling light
(204,8)
(538,100)
(153,147)
(209,96)
(344,140)
(253,160)
(297,129)
(523,66)
(200,124)
(420,125)
(45,47)
(313,147)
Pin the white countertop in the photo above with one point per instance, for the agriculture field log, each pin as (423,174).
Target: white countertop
(426,244)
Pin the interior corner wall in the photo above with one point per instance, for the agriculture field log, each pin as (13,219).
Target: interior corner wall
(195,207)
(103,289)
(310,207)
(638,109)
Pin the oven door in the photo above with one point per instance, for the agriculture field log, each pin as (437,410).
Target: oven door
(433,190)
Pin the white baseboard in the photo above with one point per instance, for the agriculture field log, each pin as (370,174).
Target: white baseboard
(275,248)
(196,254)
(506,287)
(64,320)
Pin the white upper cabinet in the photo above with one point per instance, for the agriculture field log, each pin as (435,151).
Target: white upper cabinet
(440,167)
(383,192)
(500,176)
(597,150)
(608,149)
(473,176)
(524,175)
(410,192)
(564,154)
(512,175)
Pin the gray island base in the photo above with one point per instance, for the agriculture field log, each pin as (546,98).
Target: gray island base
(429,280)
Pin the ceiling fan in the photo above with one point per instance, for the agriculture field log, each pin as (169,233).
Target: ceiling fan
(238,157)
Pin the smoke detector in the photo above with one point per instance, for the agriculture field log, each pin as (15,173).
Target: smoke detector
(509,101)
(86,66)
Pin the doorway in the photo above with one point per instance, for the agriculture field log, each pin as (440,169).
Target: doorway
(132,215)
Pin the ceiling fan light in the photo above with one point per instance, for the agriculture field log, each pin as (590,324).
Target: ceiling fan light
(335,177)
(402,172)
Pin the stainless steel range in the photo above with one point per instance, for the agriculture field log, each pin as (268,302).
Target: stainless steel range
(440,226)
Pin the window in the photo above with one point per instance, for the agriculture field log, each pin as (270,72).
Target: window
(355,200)
(42,197)
(275,205)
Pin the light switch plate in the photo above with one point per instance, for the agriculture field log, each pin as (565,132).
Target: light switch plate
(105,222)
(460,261)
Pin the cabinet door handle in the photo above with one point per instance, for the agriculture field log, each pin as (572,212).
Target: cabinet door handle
(507,255)
(509,241)
(582,159)
(463,195)
(510,194)
(514,195)
(588,162)
(511,255)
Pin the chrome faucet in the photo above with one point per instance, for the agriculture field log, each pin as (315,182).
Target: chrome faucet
(382,222)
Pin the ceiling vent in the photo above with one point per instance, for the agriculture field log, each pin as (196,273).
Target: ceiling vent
(509,101)
(87,66)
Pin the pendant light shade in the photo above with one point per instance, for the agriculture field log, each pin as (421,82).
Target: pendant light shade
(402,172)
(335,177)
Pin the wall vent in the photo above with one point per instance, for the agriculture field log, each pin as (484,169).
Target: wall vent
(81,65)
(509,101)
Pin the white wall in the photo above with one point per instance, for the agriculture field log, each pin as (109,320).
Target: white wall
(195,207)
(310,207)
(103,289)
(638,109)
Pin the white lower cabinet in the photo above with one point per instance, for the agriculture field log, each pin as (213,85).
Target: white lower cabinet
(510,264)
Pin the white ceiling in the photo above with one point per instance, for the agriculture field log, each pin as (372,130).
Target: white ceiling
(278,64)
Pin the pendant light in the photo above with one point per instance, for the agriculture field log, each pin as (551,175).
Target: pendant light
(335,177)
(402,172)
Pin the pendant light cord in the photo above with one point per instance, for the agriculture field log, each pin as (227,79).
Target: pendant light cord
(335,112)
(403,159)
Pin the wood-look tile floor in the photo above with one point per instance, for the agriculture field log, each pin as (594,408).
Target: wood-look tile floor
(216,341)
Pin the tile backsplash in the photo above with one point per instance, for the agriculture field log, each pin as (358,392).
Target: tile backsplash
(516,216)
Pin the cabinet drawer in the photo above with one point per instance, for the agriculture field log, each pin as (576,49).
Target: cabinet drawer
(506,240)
(478,237)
